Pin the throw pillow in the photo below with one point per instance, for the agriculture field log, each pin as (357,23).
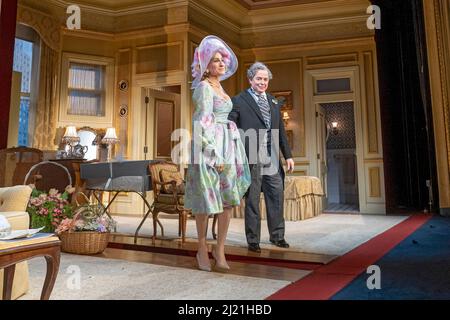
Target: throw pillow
(167,176)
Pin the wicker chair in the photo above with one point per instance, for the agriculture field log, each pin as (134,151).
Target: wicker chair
(15,163)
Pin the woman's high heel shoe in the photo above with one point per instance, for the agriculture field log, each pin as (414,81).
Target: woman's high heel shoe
(203,267)
(219,266)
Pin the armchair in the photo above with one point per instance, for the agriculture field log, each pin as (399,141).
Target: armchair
(15,163)
(168,188)
(13,204)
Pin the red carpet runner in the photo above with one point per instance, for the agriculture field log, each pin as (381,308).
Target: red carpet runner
(326,281)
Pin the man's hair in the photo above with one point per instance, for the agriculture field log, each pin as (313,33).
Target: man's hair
(253,70)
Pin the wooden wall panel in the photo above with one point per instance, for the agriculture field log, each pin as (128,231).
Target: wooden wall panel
(371,108)
(159,58)
(374,182)
(122,100)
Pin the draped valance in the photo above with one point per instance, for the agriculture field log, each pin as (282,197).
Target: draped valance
(46,26)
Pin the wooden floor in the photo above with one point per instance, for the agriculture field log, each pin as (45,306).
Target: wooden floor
(237,268)
(277,263)
(190,245)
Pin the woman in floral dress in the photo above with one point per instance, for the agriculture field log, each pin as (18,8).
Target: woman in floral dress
(218,175)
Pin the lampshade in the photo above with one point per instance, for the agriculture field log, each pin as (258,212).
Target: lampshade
(110,136)
(71,136)
(334,124)
(71,132)
(286,116)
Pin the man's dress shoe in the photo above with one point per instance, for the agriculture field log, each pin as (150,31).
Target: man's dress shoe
(280,243)
(254,247)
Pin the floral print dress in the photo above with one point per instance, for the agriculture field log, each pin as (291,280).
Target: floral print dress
(216,140)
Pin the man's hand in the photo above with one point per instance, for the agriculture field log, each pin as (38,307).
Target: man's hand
(290,165)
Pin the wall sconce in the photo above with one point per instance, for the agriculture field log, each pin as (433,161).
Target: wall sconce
(286,118)
(334,127)
(109,139)
(71,138)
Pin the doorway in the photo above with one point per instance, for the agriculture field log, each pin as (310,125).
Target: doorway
(161,118)
(340,157)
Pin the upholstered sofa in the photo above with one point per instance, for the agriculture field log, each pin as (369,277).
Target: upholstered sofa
(13,204)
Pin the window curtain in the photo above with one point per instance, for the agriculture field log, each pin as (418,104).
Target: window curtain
(47,109)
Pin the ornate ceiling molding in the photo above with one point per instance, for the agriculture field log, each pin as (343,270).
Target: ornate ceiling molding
(301,22)
(263,4)
(141,8)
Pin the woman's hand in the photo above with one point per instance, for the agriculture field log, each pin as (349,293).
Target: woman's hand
(219,167)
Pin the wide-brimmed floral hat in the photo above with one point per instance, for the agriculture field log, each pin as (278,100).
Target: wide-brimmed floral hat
(205,52)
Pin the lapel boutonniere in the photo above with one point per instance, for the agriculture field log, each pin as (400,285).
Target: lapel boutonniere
(275,101)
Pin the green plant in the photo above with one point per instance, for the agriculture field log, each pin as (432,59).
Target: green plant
(48,210)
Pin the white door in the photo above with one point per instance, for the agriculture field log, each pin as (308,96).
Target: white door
(321,134)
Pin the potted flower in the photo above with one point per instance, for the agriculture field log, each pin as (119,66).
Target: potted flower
(88,231)
(49,209)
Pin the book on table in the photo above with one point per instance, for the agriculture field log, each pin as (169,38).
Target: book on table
(25,234)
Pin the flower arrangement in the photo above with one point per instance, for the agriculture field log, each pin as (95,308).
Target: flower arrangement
(88,231)
(87,217)
(49,209)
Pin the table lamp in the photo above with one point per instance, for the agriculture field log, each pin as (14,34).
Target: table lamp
(71,138)
(109,139)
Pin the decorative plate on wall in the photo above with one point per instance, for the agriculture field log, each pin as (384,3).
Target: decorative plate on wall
(123,111)
(123,85)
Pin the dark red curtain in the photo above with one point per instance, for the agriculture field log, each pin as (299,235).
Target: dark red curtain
(7,34)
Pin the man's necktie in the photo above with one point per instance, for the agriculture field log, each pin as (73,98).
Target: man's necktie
(265,109)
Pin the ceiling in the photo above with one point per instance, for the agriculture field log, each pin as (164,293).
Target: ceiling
(126,4)
(260,4)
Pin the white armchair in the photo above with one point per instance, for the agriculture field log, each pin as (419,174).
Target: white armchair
(13,205)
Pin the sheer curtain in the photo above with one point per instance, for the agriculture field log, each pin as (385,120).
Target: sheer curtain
(46,110)
(86,90)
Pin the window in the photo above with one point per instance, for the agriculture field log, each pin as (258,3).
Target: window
(87,85)
(23,61)
(86,90)
(333,86)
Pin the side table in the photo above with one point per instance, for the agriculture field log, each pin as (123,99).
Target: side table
(12,253)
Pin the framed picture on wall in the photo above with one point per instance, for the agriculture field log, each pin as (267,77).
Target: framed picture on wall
(290,137)
(285,96)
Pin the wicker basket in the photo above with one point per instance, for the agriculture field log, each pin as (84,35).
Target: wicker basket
(84,242)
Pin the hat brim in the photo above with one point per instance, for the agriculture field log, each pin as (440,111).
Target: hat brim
(212,44)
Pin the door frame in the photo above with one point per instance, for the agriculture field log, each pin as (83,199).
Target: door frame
(313,100)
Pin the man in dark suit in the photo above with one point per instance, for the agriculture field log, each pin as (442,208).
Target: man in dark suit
(257,113)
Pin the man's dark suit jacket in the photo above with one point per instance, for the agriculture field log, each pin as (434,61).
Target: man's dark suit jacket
(247,115)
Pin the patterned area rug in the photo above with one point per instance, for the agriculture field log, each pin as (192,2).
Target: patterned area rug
(91,278)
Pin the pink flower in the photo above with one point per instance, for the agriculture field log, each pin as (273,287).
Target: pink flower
(212,195)
(65,225)
(207,120)
(43,211)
